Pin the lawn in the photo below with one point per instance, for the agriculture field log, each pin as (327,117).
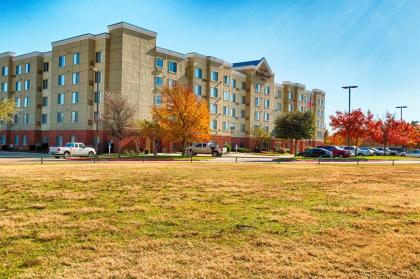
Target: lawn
(207,220)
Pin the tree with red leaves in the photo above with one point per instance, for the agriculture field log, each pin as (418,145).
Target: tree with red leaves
(390,131)
(354,125)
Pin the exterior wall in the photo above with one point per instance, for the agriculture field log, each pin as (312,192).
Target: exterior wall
(128,67)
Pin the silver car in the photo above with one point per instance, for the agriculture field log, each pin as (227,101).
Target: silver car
(412,153)
(364,151)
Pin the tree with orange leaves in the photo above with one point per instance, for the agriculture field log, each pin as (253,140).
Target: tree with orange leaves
(183,117)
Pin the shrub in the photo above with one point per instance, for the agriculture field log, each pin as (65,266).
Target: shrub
(31,147)
(243,150)
(228,147)
(146,151)
(5,147)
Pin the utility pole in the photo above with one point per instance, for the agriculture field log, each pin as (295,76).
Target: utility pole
(350,87)
(401,109)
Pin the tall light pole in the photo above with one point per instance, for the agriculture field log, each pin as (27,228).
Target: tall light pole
(401,108)
(350,87)
(98,98)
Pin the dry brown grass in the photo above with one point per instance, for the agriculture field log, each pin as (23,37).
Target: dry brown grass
(203,220)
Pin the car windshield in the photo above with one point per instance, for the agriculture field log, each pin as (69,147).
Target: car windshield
(70,144)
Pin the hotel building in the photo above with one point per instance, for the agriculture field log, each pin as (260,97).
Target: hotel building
(56,91)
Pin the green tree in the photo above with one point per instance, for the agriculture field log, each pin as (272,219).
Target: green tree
(260,137)
(295,126)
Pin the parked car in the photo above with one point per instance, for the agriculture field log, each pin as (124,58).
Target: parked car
(72,149)
(206,148)
(377,152)
(336,150)
(399,150)
(316,153)
(352,150)
(364,151)
(415,153)
(387,151)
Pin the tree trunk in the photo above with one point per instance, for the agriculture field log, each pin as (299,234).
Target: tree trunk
(295,147)
(119,149)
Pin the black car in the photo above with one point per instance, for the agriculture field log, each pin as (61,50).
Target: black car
(317,152)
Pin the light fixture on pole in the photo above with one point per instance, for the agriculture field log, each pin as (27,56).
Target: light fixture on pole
(401,108)
(350,87)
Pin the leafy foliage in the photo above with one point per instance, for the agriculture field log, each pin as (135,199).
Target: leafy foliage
(7,109)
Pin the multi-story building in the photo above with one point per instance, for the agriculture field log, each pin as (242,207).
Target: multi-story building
(57,91)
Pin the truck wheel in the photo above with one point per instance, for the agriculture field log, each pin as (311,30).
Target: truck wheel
(91,154)
(360,154)
(214,154)
(66,154)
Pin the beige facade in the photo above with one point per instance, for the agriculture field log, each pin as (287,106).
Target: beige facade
(57,92)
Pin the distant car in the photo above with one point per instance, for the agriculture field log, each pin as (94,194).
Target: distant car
(316,153)
(364,151)
(377,152)
(387,151)
(399,150)
(206,148)
(352,150)
(336,150)
(77,149)
(412,153)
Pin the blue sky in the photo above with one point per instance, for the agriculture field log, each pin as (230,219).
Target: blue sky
(323,44)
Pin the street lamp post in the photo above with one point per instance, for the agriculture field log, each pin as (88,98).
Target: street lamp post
(401,108)
(350,87)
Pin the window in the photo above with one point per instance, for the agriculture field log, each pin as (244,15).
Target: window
(98,57)
(243,86)
(198,73)
(213,125)
(232,126)
(257,87)
(75,78)
(226,80)
(3,139)
(233,112)
(225,126)
(18,69)
(171,83)
(59,140)
(267,90)
(301,97)
(243,113)
(98,77)
(243,128)
(76,58)
(213,108)
(226,96)
(61,80)
(290,107)
(172,66)
(44,139)
(197,90)
(24,140)
(4,86)
(233,83)
(98,96)
(158,81)
(214,92)
(26,118)
(257,115)
(225,111)
(16,120)
(243,100)
(16,140)
(214,76)
(233,98)
(158,100)
(26,102)
(279,94)
(159,62)
(17,102)
(45,84)
(27,68)
(5,71)
(73,139)
(266,116)
(301,109)
(74,116)
(290,95)
(44,101)
(18,86)
(44,118)
(60,98)
(321,103)
(257,101)
(278,106)
(267,103)
(74,97)
(45,66)
(62,61)
(26,85)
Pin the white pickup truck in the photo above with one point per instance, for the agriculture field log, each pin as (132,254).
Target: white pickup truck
(76,149)
(206,148)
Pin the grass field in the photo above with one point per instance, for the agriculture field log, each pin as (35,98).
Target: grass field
(175,220)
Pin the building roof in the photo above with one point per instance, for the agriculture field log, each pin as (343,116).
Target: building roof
(247,63)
